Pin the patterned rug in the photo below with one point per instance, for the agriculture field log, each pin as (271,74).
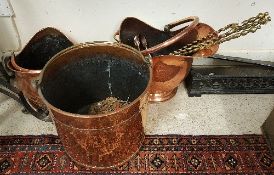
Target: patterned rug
(169,154)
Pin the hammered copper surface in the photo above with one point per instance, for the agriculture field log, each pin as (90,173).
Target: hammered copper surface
(104,140)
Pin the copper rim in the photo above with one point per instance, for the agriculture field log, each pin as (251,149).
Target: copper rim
(87,45)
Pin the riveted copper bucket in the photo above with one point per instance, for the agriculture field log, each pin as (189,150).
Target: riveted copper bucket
(28,64)
(87,73)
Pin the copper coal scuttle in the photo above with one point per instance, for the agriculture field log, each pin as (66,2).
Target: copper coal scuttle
(23,69)
(97,93)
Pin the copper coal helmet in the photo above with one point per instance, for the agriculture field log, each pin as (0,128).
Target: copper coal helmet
(88,73)
(168,70)
(27,65)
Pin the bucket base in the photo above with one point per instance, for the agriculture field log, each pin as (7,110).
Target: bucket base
(162,96)
(107,167)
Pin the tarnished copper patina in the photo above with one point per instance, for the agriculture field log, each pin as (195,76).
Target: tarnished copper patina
(168,70)
(28,64)
(87,73)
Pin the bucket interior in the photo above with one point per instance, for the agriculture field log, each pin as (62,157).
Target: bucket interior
(37,53)
(84,76)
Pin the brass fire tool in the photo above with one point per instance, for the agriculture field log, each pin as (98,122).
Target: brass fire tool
(227,33)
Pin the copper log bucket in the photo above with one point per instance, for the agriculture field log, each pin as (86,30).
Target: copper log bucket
(27,65)
(87,73)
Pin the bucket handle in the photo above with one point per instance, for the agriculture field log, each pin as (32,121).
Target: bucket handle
(13,92)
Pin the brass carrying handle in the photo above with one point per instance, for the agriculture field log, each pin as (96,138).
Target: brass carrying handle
(169,26)
(185,31)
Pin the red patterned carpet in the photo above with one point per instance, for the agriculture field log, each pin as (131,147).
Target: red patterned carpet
(171,154)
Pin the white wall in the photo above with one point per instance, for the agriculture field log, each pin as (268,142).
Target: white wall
(89,20)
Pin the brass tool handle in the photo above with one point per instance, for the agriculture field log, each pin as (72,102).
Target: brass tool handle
(227,33)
